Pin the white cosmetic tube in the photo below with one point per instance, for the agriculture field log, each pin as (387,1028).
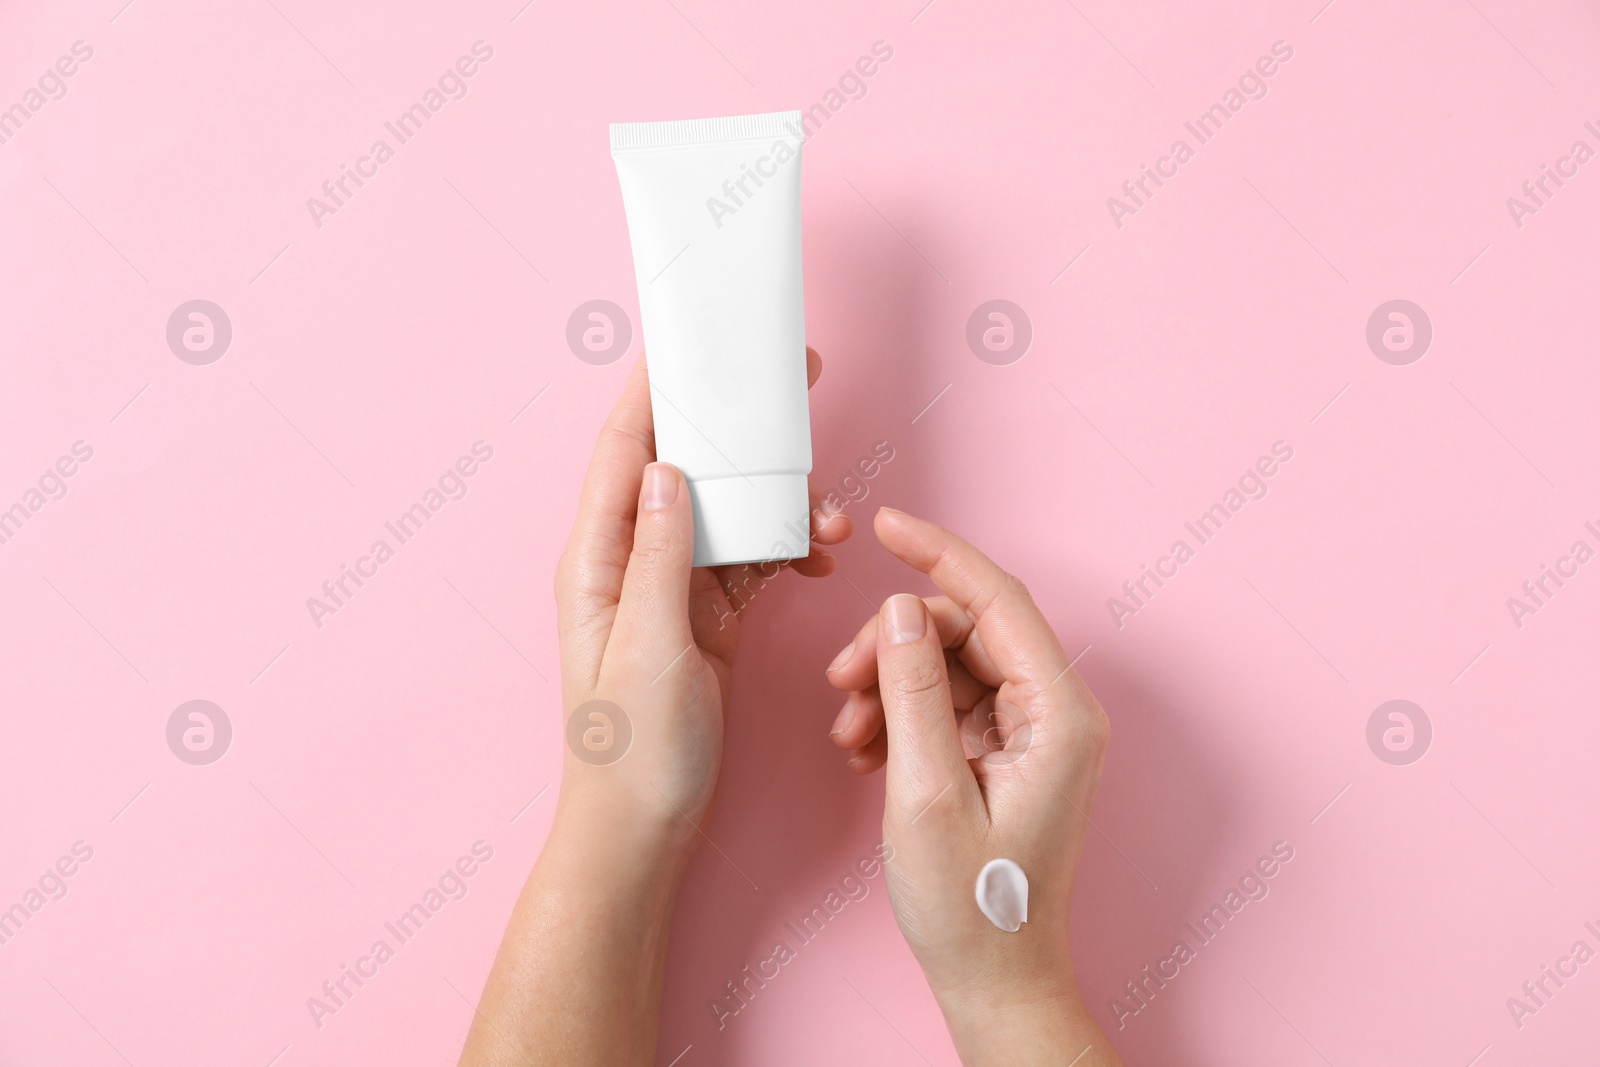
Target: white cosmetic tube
(713,211)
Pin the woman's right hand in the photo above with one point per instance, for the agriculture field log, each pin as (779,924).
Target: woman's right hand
(994,748)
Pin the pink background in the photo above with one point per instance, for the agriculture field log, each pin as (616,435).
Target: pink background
(1227,314)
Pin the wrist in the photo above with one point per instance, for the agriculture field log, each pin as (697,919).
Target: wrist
(1032,1026)
(603,873)
(613,829)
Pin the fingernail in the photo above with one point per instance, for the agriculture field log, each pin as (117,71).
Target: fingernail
(846,715)
(660,487)
(906,619)
(841,658)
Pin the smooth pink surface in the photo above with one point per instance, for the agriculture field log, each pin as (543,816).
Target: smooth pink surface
(1228,313)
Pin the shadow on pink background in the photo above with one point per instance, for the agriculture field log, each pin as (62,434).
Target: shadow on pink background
(1175,341)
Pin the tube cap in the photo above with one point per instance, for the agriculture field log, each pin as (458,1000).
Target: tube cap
(750,519)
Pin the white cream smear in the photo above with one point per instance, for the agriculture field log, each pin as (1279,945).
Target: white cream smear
(1003,894)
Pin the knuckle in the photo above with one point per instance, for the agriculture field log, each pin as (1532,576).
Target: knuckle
(1094,729)
(654,554)
(1004,597)
(627,433)
(914,682)
(926,801)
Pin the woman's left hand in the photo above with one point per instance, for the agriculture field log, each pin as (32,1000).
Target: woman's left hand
(648,641)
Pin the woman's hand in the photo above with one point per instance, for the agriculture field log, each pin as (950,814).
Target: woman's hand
(647,646)
(994,748)
(647,643)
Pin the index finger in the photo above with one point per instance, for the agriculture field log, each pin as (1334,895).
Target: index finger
(627,442)
(589,578)
(1012,629)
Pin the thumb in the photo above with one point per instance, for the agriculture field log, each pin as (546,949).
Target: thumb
(653,610)
(927,772)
